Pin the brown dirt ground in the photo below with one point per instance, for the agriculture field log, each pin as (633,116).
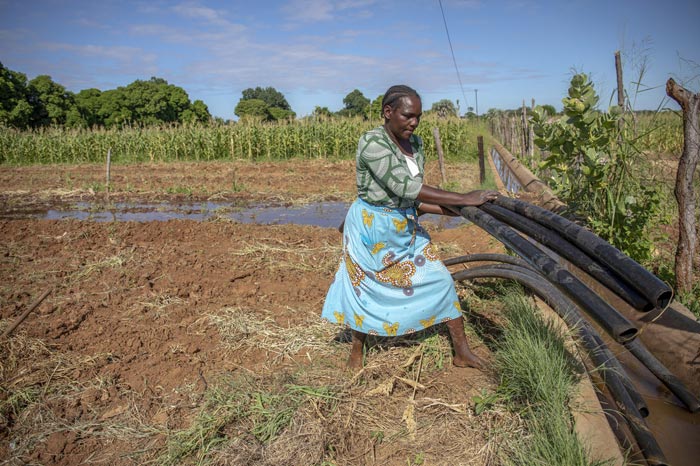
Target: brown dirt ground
(131,336)
(144,319)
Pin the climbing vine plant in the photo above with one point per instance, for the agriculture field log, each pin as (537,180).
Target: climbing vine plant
(588,161)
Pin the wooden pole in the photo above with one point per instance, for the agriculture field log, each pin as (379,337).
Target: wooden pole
(684,191)
(109,167)
(531,137)
(523,120)
(24,315)
(620,88)
(482,167)
(441,158)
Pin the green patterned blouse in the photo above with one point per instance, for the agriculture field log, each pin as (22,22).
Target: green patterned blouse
(383,177)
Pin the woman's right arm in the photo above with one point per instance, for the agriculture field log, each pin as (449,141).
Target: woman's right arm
(431,195)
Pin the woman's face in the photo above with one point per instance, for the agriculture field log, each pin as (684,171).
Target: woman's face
(403,119)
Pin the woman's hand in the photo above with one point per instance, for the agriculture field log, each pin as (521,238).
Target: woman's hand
(476,198)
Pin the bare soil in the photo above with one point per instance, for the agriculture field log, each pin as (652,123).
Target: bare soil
(144,318)
(146,321)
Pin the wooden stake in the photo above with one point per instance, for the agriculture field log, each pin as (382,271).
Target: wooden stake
(526,133)
(620,88)
(24,315)
(482,167)
(441,161)
(109,166)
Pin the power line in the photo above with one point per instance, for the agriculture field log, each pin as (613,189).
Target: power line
(453,55)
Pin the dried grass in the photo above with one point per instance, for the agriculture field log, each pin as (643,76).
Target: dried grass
(389,413)
(322,259)
(115,261)
(242,330)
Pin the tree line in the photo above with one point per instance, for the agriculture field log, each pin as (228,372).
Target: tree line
(41,102)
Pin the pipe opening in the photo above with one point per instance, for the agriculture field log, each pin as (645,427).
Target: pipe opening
(627,335)
(664,299)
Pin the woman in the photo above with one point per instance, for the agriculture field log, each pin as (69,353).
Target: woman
(390,280)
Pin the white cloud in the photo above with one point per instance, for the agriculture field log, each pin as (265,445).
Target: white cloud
(198,12)
(310,11)
(122,54)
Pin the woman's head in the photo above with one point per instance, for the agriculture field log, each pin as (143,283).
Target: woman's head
(402,109)
(395,93)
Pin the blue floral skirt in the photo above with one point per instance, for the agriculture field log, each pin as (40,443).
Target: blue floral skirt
(390,280)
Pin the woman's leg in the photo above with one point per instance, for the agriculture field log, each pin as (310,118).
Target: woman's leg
(358,342)
(463,355)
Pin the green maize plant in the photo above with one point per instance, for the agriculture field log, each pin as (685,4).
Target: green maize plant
(331,138)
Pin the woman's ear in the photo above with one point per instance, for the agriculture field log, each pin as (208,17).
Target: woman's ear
(386,111)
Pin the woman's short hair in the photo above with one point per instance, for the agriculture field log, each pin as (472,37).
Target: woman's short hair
(395,93)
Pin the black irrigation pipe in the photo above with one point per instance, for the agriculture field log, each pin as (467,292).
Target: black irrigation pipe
(615,324)
(656,291)
(675,385)
(573,254)
(569,312)
(672,382)
(614,375)
(504,258)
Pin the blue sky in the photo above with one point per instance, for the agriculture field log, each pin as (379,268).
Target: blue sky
(317,51)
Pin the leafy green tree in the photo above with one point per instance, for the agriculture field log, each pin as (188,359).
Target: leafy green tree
(276,106)
(252,108)
(113,110)
(51,101)
(444,108)
(321,112)
(375,108)
(271,96)
(42,101)
(141,102)
(277,113)
(155,101)
(355,104)
(15,110)
(87,104)
(198,112)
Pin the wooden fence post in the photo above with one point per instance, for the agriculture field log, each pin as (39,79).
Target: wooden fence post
(531,136)
(526,133)
(482,167)
(441,158)
(684,191)
(620,89)
(109,168)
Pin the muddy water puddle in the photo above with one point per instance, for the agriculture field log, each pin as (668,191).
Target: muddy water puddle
(675,428)
(322,214)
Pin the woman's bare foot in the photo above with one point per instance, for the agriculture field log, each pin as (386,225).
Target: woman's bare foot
(463,355)
(354,361)
(470,360)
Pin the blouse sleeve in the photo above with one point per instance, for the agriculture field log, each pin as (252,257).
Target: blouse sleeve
(376,154)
